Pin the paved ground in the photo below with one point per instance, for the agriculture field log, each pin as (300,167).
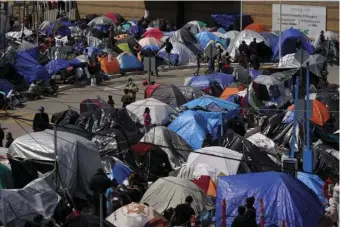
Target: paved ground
(72,98)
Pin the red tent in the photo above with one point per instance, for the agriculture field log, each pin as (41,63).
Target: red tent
(153,32)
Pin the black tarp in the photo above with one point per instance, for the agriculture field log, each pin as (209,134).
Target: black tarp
(327,164)
(111,141)
(87,220)
(65,117)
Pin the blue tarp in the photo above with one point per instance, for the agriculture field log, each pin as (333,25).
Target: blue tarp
(5,86)
(29,67)
(129,61)
(231,22)
(59,28)
(254,73)
(313,182)
(205,37)
(192,127)
(204,81)
(271,39)
(92,50)
(174,58)
(56,65)
(211,103)
(288,43)
(285,198)
(120,171)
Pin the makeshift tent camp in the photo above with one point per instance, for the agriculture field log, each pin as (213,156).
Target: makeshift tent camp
(56,65)
(271,38)
(74,154)
(133,215)
(173,191)
(58,28)
(329,35)
(171,143)
(101,21)
(257,27)
(223,159)
(129,62)
(115,17)
(180,54)
(5,86)
(232,35)
(88,105)
(116,169)
(109,65)
(187,38)
(149,42)
(195,26)
(289,204)
(160,112)
(288,43)
(168,94)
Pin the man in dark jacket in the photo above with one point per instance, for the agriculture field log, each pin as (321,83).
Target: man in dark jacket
(2,136)
(41,120)
(241,220)
(99,184)
(183,212)
(251,211)
(243,48)
(253,47)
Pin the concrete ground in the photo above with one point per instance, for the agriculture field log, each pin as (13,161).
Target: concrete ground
(71,98)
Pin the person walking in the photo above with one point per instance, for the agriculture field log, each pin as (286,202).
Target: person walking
(41,120)
(147,119)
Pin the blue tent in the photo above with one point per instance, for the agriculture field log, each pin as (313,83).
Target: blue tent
(56,65)
(210,103)
(204,81)
(285,198)
(214,122)
(254,73)
(59,29)
(129,62)
(270,38)
(120,171)
(288,43)
(93,50)
(192,127)
(152,47)
(205,37)
(313,182)
(5,86)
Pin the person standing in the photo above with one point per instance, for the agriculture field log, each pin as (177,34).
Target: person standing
(241,220)
(132,89)
(126,100)
(9,139)
(183,212)
(253,47)
(111,102)
(147,119)
(251,211)
(41,120)
(2,136)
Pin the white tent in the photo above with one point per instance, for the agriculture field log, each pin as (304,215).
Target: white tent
(133,215)
(228,161)
(172,144)
(78,158)
(184,53)
(232,35)
(159,111)
(170,191)
(247,36)
(197,170)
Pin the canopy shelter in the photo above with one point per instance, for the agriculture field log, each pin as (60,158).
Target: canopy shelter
(173,191)
(160,112)
(134,215)
(170,142)
(289,203)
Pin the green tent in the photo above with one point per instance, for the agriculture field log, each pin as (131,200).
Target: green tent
(124,47)
(6,179)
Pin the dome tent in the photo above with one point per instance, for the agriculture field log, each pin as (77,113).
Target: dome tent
(129,62)
(180,54)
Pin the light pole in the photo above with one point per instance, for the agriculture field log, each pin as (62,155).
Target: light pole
(241,16)
(280,50)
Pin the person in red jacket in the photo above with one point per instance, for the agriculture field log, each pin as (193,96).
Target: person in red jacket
(147,119)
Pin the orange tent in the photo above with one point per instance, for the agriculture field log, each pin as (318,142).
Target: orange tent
(257,27)
(229,91)
(320,113)
(206,184)
(109,66)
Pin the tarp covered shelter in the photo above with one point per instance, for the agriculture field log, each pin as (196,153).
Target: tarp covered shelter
(313,182)
(173,191)
(291,198)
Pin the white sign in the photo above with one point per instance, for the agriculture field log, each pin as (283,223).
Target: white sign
(308,19)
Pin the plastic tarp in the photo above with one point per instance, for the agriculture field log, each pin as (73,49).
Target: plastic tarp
(168,94)
(99,21)
(247,36)
(187,38)
(133,215)
(291,198)
(194,171)
(109,64)
(160,112)
(327,163)
(78,158)
(190,92)
(173,191)
(264,143)
(170,142)
(180,54)
(232,35)
(204,81)
(18,35)
(221,158)
(18,205)
(116,169)
(205,37)
(56,65)
(271,39)
(230,21)
(58,28)
(313,182)
(192,127)
(212,103)
(129,62)
(288,43)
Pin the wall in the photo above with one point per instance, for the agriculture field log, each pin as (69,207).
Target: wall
(261,12)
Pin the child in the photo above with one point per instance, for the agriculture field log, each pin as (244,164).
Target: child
(111,102)
(147,119)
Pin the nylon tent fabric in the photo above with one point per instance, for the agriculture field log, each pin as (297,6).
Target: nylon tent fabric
(206,102)
(160,112)
(187,38)
(225,160)
(205,37)
(257,27)
(115,17)
(204,81)
(133,215)
(196,170)
(232,35)
(206,184)
(102,20)
(289,204)
(124,47)
(170,142)
(313,182)
(271,38)
(168,94)
(129,62)
(6,179)
(173,191)
(73,151)
(195,26)
(179,55)
(288,43)
(56,65)
(192,127)
(87,220)
(190,93)
(149,41)
(229,91)
(109,65)
(58,28)
(154,33)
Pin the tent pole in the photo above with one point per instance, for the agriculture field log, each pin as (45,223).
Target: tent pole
(307,154)
(241,16)
(280,50)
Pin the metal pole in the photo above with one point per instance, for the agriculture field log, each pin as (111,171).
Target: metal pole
(280,50)
(56,156)
(101,209)
(241,16)
(297,81)
(149,70)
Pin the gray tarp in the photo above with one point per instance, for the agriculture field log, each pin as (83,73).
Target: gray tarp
(170,191)
(172,144)
(78,157)
(18,205)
